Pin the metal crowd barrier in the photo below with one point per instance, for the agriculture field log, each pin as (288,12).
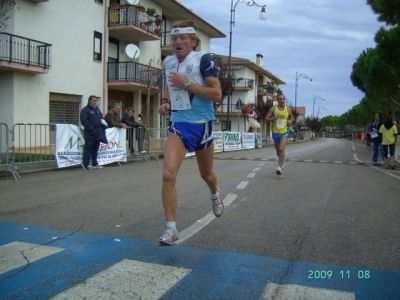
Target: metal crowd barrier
(5,149)
(146,143)
(32,144)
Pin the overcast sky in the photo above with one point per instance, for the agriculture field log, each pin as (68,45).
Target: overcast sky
(319,38)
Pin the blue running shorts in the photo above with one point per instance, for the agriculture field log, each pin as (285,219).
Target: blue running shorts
(278,136)
(195,136)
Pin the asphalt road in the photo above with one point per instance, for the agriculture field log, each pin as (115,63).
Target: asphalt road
(328,213)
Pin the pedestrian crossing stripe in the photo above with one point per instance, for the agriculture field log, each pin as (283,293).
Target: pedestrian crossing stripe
(18,254)
(82,265)
(127,279)
(336,162)
(294,291)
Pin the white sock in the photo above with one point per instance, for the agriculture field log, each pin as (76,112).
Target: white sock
(215,196)
(172,225)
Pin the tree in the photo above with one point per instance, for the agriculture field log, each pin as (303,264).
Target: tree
(313,123)
(388,10)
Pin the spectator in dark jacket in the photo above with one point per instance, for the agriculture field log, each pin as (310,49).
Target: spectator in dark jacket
(129,119)
(376,137)
(94,132)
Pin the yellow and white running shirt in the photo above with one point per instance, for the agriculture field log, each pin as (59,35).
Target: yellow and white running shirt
(280,120)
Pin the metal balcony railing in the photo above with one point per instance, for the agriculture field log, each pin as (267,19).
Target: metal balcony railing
(233,108)
(244,83)
(133,71)
(18,49)
(130,15)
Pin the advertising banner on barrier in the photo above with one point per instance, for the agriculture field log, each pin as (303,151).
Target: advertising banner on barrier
(218,141)
(69,145)
(70,141)
(248,140)
(232,141)
(259,141)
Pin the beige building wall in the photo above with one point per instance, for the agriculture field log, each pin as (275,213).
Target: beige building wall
(69,26)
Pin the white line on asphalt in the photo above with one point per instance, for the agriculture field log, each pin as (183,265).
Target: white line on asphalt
(18,254)
(251,175)
(127,279)
(293,291)
(377,168)
(356,157)
(242,185)
(203,222)
(354,148)
(256,169)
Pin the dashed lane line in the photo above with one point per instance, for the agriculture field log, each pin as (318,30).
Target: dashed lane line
(336,162)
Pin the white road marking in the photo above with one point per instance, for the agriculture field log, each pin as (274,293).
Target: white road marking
(297,292)
(242,185)
(379,169)
(127,279)
(251,175)
(256,169)
(18,254)
(354,148)
(193,229)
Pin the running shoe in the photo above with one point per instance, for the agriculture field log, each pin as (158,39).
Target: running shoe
(169,236)
(88,168)
(217,204)
(279,170)
(98,167)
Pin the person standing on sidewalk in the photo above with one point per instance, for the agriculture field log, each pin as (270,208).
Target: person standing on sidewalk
(389,132)
(192,87)
(376,137)
(129,120)
(94,132)
(281,117)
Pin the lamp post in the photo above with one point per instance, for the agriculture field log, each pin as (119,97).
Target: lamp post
(316,97)
(263,16)
(304,76)
(299,75)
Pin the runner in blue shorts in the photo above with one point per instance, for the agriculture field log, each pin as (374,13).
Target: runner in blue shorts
(192,87)
(281,117)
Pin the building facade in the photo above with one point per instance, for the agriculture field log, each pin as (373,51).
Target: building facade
(54,54)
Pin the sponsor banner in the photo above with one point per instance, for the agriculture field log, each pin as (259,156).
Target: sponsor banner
(248,140)
(259,140)
(115,150)
(232,141)
(69,145)
(218,141)
(70,142)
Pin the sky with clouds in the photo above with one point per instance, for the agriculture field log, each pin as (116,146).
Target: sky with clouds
(319,38)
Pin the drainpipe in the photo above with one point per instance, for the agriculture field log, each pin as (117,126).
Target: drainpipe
(105,57)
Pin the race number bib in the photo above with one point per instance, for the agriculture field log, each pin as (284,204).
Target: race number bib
(373,134)
(179,99)
(280,123)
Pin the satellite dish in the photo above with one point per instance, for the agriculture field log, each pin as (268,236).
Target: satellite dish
(133,2)
(132,51)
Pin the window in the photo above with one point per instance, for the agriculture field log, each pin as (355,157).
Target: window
(64,108)
(97,46)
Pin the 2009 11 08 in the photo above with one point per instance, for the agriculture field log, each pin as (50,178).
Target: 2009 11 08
(342,274)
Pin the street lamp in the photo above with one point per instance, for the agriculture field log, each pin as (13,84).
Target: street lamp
(299,75)
(263,16)
(316,97)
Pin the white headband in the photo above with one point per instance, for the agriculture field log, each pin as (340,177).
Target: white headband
(182,30)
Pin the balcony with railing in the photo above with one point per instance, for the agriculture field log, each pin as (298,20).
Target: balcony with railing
(130,76)
(243,84)
(234,109)
(128,23)
(18,53)
(166,43)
